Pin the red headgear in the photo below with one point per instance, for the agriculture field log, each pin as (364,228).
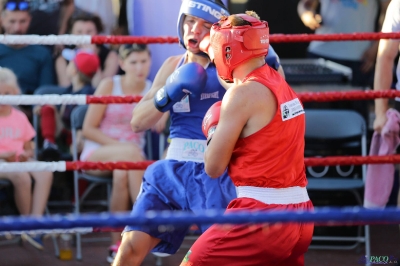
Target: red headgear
(232,45)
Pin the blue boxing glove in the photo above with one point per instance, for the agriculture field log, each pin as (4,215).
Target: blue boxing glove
(272,59)
(189,79)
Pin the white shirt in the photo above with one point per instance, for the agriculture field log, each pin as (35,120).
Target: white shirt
(345,16)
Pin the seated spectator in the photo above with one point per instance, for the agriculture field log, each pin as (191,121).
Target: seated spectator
(32,64)
(81,68)
(86,24)
(108,135)
(50,17)
(16,145)
(101,8)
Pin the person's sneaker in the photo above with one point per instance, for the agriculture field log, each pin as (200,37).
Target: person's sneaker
(49,151)
(161,255)
(34,240)
(112,252)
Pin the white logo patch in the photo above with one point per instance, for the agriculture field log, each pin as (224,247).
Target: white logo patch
(183,106)
(291,109)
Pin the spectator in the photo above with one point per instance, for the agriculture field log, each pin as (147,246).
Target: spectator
(101,8)
(16,145)
(50,17)
(32,64)
(108,134)
(86,24)
(81,68)
(387,53)
(345,17)
(290,23)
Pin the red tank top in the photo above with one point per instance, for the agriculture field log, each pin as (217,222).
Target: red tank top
(273,156)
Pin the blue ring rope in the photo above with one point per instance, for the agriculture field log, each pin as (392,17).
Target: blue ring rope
(328,216)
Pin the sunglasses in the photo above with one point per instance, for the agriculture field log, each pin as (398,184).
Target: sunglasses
(135,46)
(12,6)
(127,49)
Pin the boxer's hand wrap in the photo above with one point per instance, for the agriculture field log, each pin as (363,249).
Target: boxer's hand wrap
(189,79)
(210,120)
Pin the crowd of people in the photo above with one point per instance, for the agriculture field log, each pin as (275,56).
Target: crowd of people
(194,93)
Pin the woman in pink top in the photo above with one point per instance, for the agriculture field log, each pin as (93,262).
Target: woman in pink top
(109,136)
(16,145)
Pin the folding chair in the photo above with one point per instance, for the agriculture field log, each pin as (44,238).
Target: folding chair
(77,117)
(329,133)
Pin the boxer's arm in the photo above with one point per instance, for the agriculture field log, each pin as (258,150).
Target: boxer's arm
(227,132)
(387,52)
(145,114)
(306,10)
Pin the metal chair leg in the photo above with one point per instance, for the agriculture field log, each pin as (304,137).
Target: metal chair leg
(76,211)
(54,239)
(367,245)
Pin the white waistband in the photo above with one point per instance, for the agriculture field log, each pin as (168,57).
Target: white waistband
(187,150)
(290,195)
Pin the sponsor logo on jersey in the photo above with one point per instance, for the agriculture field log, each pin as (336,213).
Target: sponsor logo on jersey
(212,95)
(291,109)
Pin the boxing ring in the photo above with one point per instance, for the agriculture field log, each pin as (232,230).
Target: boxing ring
(85,223)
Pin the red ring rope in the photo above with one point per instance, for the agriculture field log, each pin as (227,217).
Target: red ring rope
(274,38)
(310,161)
(328,96)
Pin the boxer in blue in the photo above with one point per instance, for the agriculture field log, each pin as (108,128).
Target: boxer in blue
(186,86)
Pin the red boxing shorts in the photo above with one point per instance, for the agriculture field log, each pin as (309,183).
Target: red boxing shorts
(253,244)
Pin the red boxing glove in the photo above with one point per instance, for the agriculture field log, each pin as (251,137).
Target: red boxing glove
(205,47)
(210,120)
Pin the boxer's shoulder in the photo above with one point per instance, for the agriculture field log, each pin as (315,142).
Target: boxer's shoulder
(173,61)
(169,66)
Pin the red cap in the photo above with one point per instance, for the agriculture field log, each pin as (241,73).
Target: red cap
(86,62)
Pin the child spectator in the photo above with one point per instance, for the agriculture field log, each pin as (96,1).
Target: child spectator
(86,24)
(109,136)
(16,145)
(81,68)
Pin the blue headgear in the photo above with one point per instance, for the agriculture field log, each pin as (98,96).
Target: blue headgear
(206,9)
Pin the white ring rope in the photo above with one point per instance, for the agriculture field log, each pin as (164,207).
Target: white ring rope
(53,99)
(33,167)
(47,39)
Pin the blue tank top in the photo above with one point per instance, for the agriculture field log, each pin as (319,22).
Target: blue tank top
(187,115)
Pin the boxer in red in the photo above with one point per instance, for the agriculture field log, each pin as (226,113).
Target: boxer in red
(257,132)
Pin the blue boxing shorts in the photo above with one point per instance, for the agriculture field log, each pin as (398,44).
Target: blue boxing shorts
(179,185)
